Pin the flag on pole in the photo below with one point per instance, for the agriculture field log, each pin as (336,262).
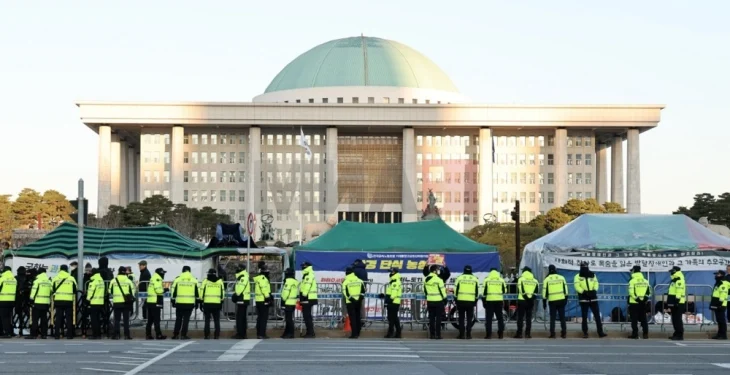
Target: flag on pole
(303,143)
(494,152)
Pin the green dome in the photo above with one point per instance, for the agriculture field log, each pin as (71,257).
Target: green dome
(361,61)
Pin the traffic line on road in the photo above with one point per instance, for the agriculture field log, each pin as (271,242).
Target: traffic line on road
(238,350)
(97,351)
(133,358)
(101,369)
(108,363)
(16,352)
(159,357)
(368,355)
(723,365)
(54,352)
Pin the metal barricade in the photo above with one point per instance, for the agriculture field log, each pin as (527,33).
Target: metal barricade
(697,307)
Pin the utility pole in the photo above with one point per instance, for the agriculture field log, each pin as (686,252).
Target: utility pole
(516,218)
(80,225)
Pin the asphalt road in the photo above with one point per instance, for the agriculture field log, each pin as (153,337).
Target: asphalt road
(367,357)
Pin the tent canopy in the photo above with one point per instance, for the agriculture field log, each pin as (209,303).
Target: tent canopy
(423,236)
(617,232)
(158,240)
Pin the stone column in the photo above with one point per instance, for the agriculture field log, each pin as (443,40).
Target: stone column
(253,191)
(602,173)
(115,162)
(176,164)
(409,207)
(105,169)
(332,176)
(123,166)
(617,170)
(486,163)
(131,174)
(633,177)
(561,166)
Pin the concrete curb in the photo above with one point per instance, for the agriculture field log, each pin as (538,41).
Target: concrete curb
(448,334)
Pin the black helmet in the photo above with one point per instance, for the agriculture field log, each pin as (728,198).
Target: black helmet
(306,264)
(467,269)
(289,272)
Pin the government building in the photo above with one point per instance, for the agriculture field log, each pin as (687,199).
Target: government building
(384,125)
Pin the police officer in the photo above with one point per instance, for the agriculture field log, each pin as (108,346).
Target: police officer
(184,295)
(308,297)
(554,293)
(8,290)
(639,293)
(122,291)
(242,297)
(433,288)
(262,293)
(64,292)
(586,286)
(493,300)
(353,289)
(719,304)
(393,292)
(212,294)
(21,301)
(676,301)
(40,300)
(154,304)
(526,288)
(466,289)
(95,295)
(289,302)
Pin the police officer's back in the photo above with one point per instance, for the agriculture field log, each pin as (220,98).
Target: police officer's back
(586,286)
(466,292)
(639,293)
(8,290)
(555,293)
(184,295)
(676,301)
(526,291)
(289,302)
(433,288)
(40,300)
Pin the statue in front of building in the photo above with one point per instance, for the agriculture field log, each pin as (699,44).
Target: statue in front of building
(267,231)
(431,212)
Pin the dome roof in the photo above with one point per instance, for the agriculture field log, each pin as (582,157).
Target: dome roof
(361,61)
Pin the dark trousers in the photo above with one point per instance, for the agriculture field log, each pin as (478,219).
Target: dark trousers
(677,313)
(85,316)
(262,317)
(215,313)
(393,319)
(145,310)
(289,319)
(121,312)
(182,319)
(466,317)
(721,321)
(96,314)
(492,308)
(39,323)
(524,314)
(593,306)
(241,319)
(6,318)
(153,318)
(557,309)
(435,310)
(354,312)
(64,314)
(637,311)
(308,319)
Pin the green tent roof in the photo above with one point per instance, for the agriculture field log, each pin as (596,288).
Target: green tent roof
(424,236)
(157,240)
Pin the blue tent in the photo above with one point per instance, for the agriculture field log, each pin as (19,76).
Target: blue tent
(613,243)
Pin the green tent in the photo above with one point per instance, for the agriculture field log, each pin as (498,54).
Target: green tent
(422,236)
(157,240)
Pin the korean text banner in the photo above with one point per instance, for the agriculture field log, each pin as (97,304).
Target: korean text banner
(649,262)
(406,262)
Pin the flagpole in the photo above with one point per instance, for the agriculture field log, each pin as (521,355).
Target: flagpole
(301,195)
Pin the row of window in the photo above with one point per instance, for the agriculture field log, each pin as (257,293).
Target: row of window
(240,176)
(281,196)
(501,141)
(370,100)
(215,139)
(154,157)
(278,196)
(445,197)
(446,140)
(214,196)
(539,159)
(240,157)
(154,176)
(511,197)
(469,177)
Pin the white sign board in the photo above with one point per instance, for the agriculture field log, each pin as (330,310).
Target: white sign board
(649,262)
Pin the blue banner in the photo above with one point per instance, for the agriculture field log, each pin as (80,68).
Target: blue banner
(406,262)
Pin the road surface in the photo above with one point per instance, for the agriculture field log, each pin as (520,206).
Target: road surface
(366,357)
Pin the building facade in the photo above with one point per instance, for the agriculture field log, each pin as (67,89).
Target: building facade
(385,126)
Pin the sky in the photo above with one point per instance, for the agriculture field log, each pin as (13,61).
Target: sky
(54,53)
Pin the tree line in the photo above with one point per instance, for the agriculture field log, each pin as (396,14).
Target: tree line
(51,207)
(715,209)
(502,235)
(198,224)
